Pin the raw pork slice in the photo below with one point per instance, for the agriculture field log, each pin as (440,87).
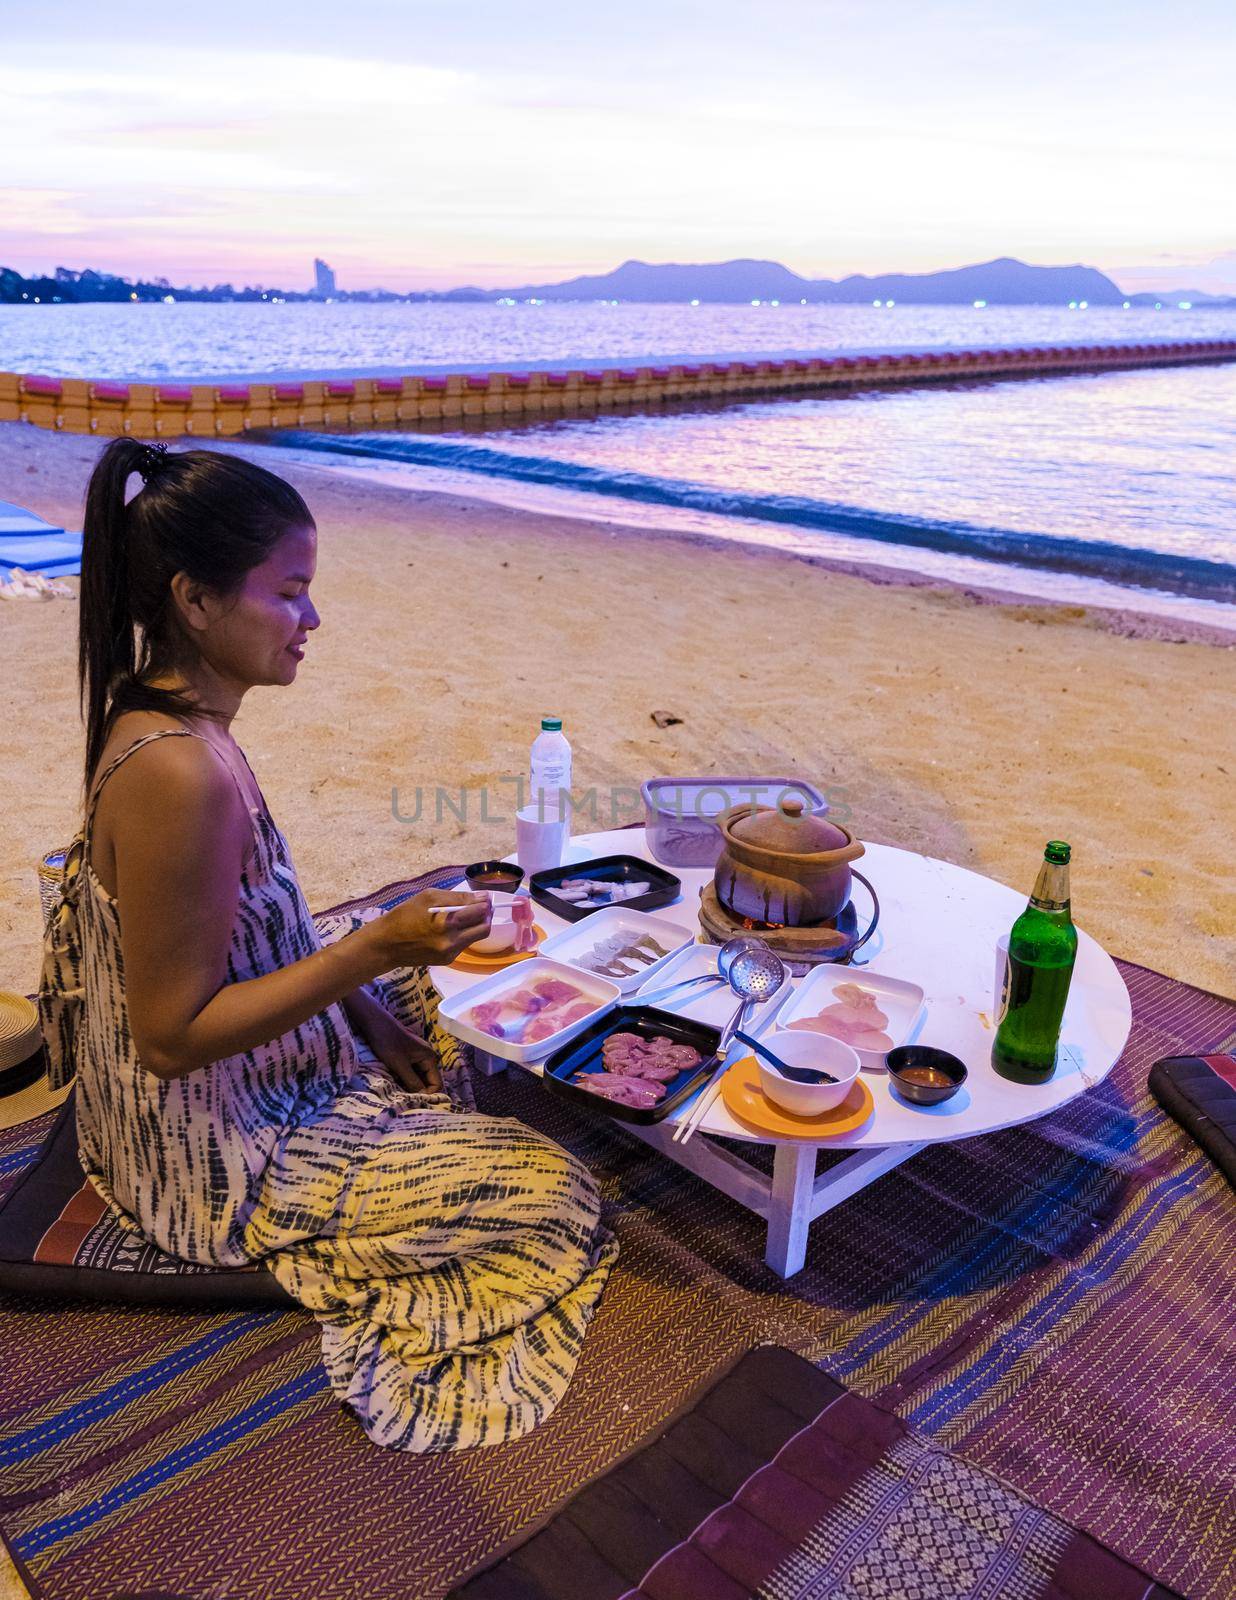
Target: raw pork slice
(854,1018)
(521,916)
(628,1091)
(680,1056)
(623,1040)
(648,1068)
(552,990)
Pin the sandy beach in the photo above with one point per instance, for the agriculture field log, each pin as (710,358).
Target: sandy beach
(933,718)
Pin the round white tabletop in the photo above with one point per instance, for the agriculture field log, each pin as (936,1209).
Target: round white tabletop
(938,928)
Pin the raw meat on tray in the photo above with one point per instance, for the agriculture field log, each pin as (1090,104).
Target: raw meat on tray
(854,1018)
(636,1070)
(593,892)
(532,1012)
(627,1091)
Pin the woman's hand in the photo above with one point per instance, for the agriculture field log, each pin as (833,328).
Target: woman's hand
(409,1059)
(412,935)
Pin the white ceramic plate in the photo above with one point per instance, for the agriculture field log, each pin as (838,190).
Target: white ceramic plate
(901,1002)
(452,1013)
(573,944)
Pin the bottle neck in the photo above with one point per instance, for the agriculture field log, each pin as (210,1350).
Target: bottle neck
(1051,888)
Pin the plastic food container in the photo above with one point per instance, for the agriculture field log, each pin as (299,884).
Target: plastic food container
(454,1013)
(713,1003)
(663,887)
(575,944)
(681,814)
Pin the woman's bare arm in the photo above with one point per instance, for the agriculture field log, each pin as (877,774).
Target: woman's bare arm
(179,833)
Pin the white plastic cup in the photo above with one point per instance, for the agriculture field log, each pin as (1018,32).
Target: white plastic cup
(540,839)
(999,998)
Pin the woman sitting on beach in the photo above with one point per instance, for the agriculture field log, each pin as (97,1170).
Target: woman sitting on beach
(242,1096)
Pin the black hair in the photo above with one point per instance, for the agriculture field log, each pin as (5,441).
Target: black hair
(213,517)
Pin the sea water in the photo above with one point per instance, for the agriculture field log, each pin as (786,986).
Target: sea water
(1117,488)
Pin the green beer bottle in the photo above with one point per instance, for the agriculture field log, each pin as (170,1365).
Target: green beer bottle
(1042,950)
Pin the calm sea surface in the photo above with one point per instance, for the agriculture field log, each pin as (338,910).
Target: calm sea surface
(1085,486)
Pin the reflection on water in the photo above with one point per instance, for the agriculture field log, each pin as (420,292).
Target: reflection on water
(1143,459)
(187,341)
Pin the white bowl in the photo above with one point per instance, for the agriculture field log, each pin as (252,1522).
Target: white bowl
(501,936)
(816,1050)
(502,929)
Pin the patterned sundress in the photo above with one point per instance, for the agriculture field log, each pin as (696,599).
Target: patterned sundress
(452,1260)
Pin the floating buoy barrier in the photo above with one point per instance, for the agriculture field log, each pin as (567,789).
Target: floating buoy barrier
(209,410)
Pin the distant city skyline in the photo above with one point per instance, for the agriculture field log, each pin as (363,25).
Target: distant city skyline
(418,145)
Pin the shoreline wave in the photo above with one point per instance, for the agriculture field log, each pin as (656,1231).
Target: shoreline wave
(1116,563)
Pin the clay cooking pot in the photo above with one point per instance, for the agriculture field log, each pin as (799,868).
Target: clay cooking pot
(779,866)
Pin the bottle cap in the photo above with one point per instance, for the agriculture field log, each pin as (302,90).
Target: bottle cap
(551,724)
(1058,853)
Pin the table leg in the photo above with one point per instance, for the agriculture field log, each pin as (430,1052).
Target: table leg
(798,1196)
(789,1211)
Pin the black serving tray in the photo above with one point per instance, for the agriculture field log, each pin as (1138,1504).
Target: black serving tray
(583,1054)
(610,869)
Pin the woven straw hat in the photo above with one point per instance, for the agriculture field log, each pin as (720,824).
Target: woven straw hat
(20,1034)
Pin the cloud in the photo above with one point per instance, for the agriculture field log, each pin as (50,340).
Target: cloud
(850,157)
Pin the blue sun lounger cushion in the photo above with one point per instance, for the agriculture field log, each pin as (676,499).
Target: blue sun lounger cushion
(26,541)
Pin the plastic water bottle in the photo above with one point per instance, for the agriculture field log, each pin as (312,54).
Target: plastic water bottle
(549,783)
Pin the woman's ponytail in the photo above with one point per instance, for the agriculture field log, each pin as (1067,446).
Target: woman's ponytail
(213,517)
(106,637)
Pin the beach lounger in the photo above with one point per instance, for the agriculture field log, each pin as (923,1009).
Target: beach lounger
(28,542)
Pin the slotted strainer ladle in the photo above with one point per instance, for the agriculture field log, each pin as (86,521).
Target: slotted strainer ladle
(755,973)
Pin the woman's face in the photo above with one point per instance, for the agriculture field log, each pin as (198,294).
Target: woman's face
(258,635)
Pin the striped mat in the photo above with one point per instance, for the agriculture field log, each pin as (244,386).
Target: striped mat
(1053,1302)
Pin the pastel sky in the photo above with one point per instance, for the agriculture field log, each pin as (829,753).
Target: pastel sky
(429,143)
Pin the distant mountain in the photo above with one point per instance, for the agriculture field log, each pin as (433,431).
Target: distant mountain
(999,283)
(1002,282)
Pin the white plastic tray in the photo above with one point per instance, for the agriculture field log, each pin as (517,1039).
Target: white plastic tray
(451,1012)
(902,1003)
(575,942)
(713,1003)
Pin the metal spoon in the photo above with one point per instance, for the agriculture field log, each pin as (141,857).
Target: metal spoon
(783,1068)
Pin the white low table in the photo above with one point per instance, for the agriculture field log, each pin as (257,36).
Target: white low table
(938,927)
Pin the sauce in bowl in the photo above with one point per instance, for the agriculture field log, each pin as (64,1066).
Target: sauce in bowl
(501,876)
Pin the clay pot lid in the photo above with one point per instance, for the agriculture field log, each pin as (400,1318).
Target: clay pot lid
(787,830)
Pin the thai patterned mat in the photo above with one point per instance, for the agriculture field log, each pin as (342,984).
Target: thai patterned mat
(1053,1302)
(778,1482)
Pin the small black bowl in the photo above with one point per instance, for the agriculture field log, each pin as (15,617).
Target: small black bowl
(511,876)
(943,1072)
